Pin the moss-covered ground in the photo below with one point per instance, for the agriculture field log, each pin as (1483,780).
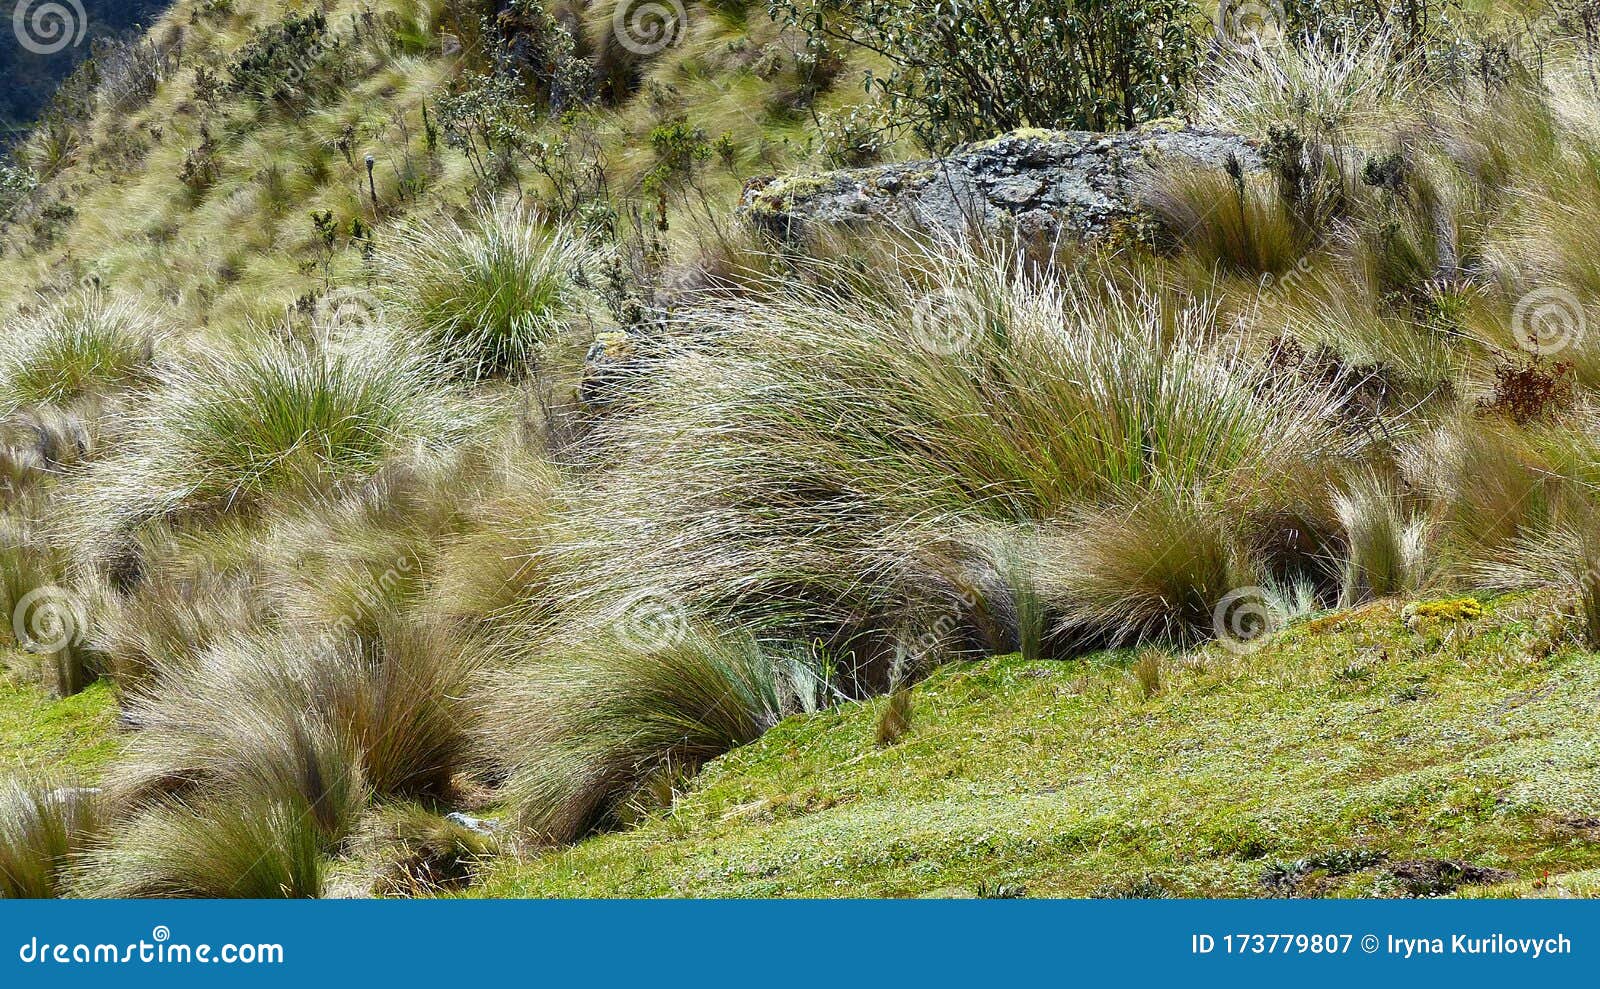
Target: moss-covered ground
(1371,753)
(72,737)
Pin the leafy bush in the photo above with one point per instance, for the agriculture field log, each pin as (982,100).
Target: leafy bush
(283,63)
(17,182)
(966,71)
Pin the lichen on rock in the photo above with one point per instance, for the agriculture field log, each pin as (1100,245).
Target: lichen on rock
(1079,185)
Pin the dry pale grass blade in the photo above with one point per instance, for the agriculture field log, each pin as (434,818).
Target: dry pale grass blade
(583,731)
(46,826)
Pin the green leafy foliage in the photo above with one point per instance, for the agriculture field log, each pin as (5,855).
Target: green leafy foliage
(970,69)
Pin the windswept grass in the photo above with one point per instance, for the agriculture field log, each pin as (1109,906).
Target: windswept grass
(585,732)
(484,296)
(228,431)
(229,849)
(789,446)
(45,827)
(325,717)
(88,344)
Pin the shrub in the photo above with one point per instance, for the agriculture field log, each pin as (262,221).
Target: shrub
(284,63)
(487,297)
(587,730)
(219,849)
(89,344)
(44,829)
(963,72)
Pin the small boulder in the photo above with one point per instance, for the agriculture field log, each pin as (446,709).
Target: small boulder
(1077,184)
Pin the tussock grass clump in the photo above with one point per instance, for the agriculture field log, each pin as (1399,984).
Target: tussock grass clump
(1232,221)
(1153,570)
(89,344)
(221,849)
(498,573)
(790,444)
(894,721)
(163,621)
(229,430)
(486,296)
(44,829)
(423,853)
(351,564)
(1566,556)
(326,718)
(1352,87)
(1496,483)
(1387,551)
(41,613)
(585,731)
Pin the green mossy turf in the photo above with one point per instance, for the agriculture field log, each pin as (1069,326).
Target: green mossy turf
(72,737)
(1347,745)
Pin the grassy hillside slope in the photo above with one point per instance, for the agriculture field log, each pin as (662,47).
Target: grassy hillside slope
(202,198)
(1348,757)
(387,433)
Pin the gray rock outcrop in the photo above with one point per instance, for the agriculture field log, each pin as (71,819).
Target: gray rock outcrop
(1078,184)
